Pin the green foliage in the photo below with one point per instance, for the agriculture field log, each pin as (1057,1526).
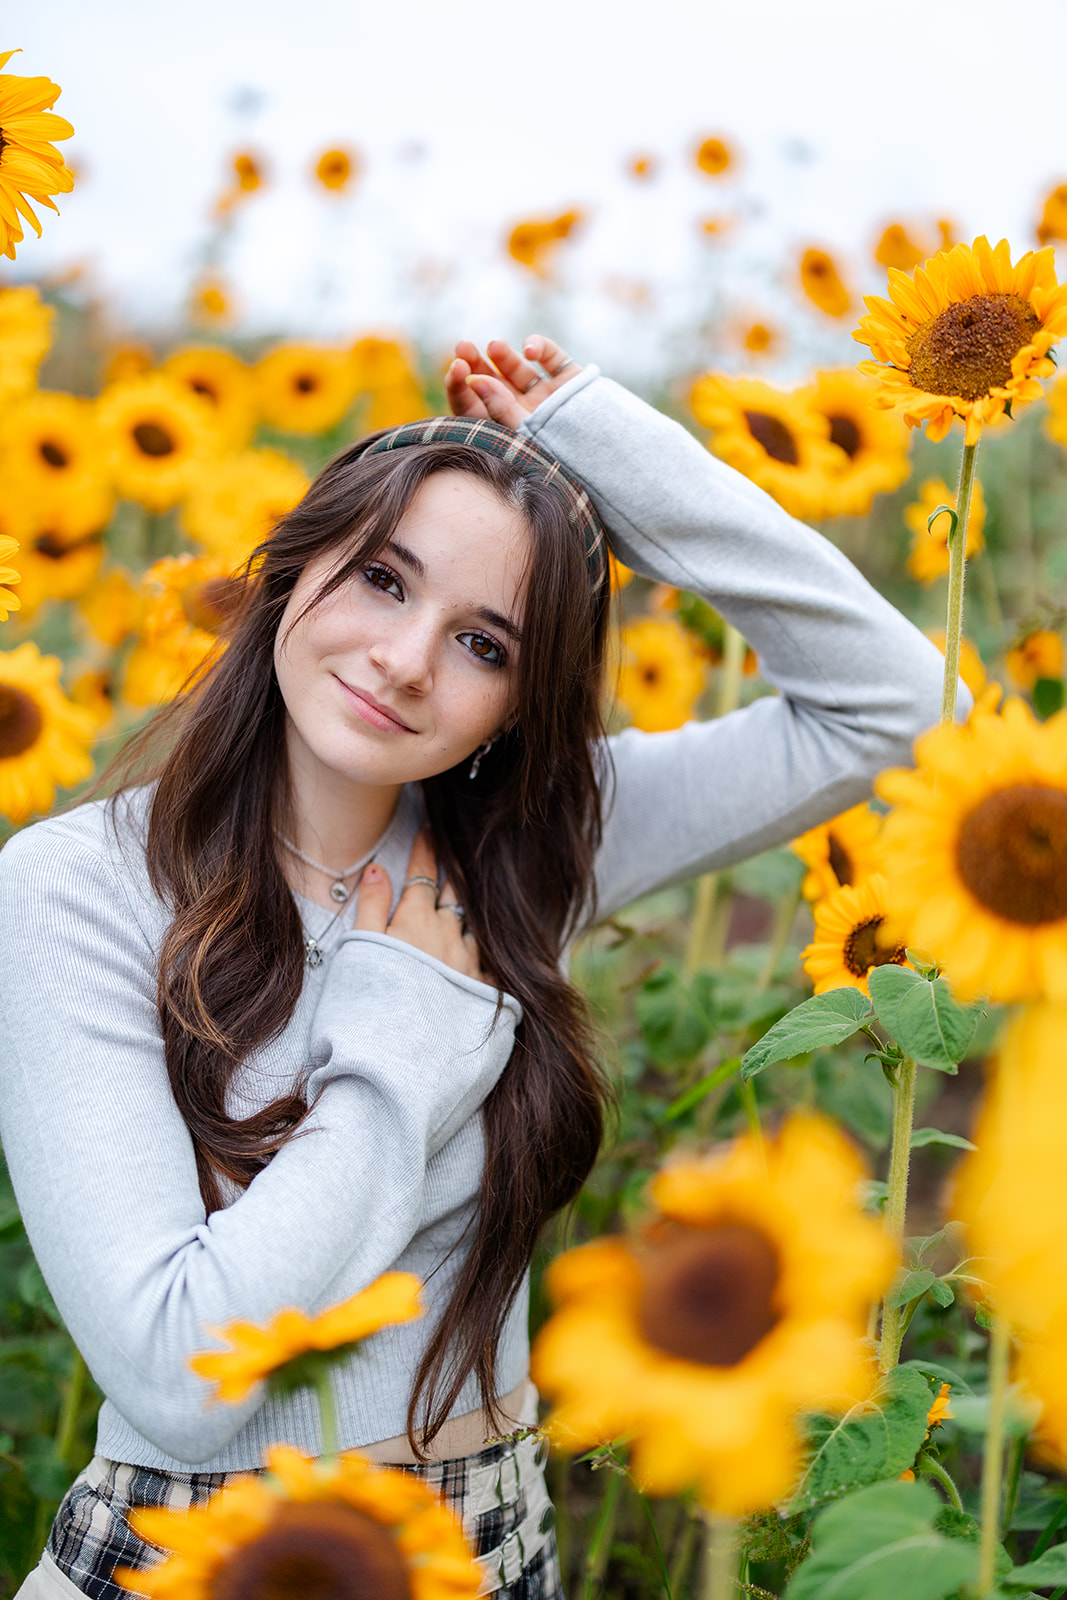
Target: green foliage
(1047,1570)
(869,1444)
(880,1544)
(921,1015)
(825,1019)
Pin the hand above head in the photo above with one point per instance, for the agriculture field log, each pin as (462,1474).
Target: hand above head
(502,384)
(426,917)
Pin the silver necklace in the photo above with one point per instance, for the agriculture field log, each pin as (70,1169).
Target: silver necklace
(313,952)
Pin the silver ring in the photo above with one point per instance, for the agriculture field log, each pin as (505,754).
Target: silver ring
(457,910)
(431,883)
(568,361)
(534,381)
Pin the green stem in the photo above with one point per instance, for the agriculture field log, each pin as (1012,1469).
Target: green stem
(1016,1453)
(933,1469)
(600,1545)
(957,565)
(683,1555)
(993,1455)
(783,921)
(720,1557)
(747,1092)
(327,1412)
(731,671)
(897,1199)
(703,911)
(67,1430)
(727,697)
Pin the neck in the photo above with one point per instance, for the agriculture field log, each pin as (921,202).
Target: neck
(334,819)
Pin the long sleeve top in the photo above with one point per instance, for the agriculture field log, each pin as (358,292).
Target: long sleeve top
(397,1050)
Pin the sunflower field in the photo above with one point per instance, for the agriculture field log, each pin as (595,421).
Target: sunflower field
(805,1332)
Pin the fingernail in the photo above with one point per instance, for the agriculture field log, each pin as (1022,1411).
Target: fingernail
(481,388)
(374,874)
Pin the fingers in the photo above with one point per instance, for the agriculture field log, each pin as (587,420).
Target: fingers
(519,373)
(461,397)
(499,401)
(375,898)
(549,354)
(422,863)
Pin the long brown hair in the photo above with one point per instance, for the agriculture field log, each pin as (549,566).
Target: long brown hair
(518,844)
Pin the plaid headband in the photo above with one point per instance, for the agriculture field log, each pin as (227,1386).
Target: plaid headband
(531,460)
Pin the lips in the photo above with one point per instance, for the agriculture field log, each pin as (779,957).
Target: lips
(373,711)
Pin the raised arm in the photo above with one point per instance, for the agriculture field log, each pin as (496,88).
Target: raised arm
(857,680)
(402,1050)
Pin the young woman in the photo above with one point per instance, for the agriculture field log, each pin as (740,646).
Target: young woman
(292,1012)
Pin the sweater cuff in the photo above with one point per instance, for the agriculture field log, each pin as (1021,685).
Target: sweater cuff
(459,980)
(543,413)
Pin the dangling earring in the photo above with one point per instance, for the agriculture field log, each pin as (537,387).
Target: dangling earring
(482,750)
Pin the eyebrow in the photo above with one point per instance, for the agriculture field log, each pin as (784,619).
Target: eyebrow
(483,613)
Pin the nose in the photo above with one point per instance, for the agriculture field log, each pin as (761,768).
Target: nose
(403,654)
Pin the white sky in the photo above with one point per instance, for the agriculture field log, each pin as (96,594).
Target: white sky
(470,114)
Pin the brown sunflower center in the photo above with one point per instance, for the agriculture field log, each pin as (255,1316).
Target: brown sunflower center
(650,675)
(708,1294)
(154,440)
(1012,854)
(846,435)
(20,721)
(321,1551)
(305,383)
(840,860)
(213,603)
(201,386)
(967,349)
(774,437)
(53,453)
(862,950)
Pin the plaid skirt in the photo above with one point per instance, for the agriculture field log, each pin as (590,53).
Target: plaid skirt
(499,1495)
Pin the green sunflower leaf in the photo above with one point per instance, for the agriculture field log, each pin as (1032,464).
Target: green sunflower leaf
(825,1019)
(923,1018)
(1048,1570)
(870,1443)
(882,1543)
(925,1136)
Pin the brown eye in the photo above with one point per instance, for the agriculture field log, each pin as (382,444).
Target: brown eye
(382,578)
(486,649)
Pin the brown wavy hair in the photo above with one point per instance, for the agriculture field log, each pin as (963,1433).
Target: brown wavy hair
(518,844)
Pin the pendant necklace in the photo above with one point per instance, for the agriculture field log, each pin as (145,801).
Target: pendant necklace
(339,891)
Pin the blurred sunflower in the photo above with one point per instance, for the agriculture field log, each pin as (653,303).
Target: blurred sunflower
(380,363)
(642,167)
(189,603)
(661,675)
(335,169)
(44,737)
(534,243)
(849,939)
(9,602)
(1053,224)
(873,445)
(223,383)
(928,559)
(972,668)
(155,433)
(130,360)
(25,337)
(305,388)
(1038,655)
(967,335)
(742,1301)
(772,437)
(713,157)
(896,248)
(759,339)
(210,301)
(976,853)
(54,569)
(234,502)
(31,168)
(51,454)
(256,1352)
(822,283)
(620,575)
(843,852)
(113,608)
(344,1527)
(93,691)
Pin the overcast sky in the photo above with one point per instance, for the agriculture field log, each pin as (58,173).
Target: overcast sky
(472,114)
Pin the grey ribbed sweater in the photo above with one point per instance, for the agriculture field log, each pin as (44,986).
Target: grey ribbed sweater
(401,1050)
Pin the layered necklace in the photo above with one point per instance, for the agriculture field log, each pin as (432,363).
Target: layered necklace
(339,890)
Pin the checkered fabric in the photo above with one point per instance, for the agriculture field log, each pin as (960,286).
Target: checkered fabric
(526,454)
(499,1495)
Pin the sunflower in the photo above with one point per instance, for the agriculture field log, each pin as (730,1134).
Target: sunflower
(346,1527)
(256,1352)
(31,168)
(972,668)
(210,301)
(896,248)
(976,853)
(25,336)
(113,608)
(742,1300)
(849,940)
(93,690)
(155,433)
(380,363)
(872,446)
(760,339)
(967,335)
(8,602)
(843,852)
(620,574)
(54,569)
(130,360)
(822,283)
(713,157)
(50,453)
(772,437)
(305,388)
(534,243)
(44,737)
(1038,655)
(661,676)
(929,546)
(235,502)
(223,383)
(335,169)
(1053,224)
(188,603)
(642,167)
